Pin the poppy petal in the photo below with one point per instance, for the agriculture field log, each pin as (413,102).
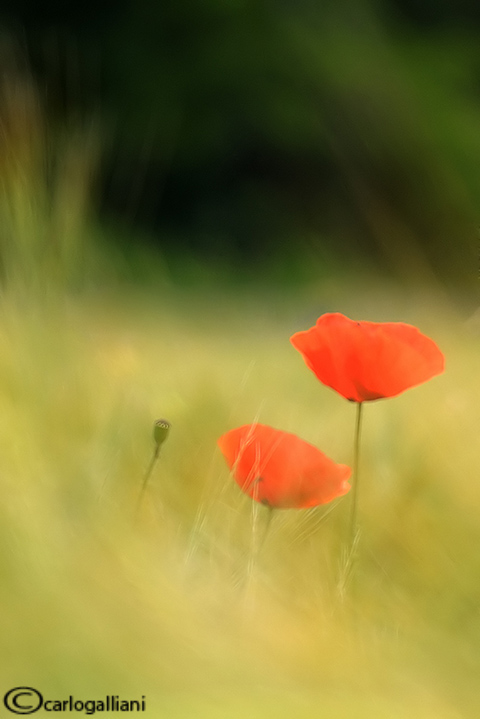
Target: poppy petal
(364,361)
(281,470)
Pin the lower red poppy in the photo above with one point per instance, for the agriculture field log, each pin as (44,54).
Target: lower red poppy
(281,470)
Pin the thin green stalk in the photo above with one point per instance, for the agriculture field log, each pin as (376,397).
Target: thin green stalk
(349,553)
(353,530)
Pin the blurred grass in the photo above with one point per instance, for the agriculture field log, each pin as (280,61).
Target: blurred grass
(96,601)
(47,170)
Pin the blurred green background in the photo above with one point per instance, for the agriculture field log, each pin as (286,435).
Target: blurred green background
(182,187)
(276,135)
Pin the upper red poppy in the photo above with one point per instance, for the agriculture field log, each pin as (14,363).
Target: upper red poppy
(280,469)
(364,361)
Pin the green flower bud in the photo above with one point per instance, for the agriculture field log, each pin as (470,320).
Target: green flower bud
(160,431)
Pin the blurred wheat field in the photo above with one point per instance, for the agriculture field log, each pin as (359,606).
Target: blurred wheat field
(171,602)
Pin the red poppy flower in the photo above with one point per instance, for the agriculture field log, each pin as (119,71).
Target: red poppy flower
(364,361)
(280,469)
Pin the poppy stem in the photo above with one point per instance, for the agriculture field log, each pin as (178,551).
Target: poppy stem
(355,477)
(257,546)
(267,527)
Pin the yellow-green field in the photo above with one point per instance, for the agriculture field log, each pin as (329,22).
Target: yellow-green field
(173,602)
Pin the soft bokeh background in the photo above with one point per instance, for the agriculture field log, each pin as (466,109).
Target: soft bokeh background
(183,186)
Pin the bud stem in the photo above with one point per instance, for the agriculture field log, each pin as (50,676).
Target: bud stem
(160,432)
(156,453)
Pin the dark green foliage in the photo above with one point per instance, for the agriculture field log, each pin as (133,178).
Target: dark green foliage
(241,129)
